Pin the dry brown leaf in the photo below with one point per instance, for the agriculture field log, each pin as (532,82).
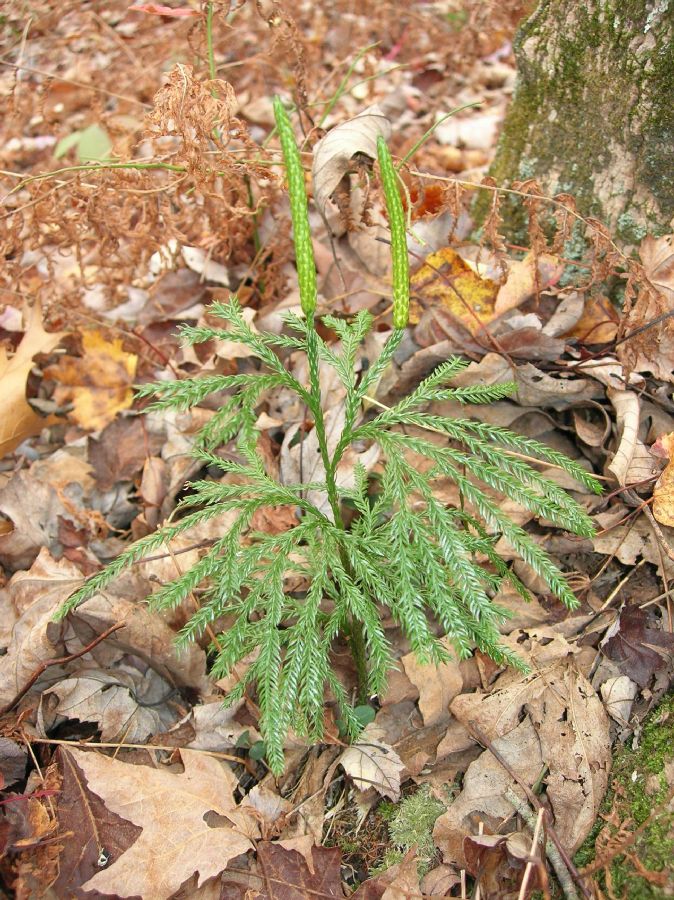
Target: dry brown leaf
(127,704)
(566,315)
(570,732)
(437,685)
(216,727)
(484,784)
(373,764)
(53,490)
(289,874)
(36,637)
(398,882)
(598,324)
(17,418)
(618,694)
(98,384)
(334,153)
(657,255)
(190,822)
(653,350)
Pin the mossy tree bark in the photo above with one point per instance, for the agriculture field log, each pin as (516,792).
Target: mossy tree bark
(593,111)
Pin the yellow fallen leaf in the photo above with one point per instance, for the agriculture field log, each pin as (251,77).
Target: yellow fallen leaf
(663,493)
(99,383)
(17,419)
(598,324)
(447,280)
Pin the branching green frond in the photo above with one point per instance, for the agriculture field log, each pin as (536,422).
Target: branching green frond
(426,390)
(191,391)
(134,554)
(478,393)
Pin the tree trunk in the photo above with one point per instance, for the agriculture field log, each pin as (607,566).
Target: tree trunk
(593,111)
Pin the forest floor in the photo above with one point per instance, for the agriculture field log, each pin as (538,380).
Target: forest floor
(140,179)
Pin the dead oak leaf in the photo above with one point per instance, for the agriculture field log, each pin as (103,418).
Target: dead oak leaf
(98,384)
(190,822)
(334,154)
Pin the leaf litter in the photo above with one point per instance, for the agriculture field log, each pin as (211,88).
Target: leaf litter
(117,259)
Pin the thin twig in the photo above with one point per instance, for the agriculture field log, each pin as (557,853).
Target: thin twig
(532,853)
(561,871)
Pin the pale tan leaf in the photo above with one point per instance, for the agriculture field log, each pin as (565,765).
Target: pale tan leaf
(190,822)
(525,277)
(632,462)
(618,694)
(333,154)
(127,704)
(373,764)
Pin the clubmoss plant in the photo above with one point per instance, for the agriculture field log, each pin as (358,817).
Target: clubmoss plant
(403,550)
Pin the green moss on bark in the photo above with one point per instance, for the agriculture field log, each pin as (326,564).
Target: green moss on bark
(593,111)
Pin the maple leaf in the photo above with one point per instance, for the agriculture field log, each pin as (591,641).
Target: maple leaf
(175,812)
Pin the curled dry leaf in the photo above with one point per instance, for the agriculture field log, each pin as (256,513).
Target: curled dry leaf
(373,764)
(334,153)
(618,695)
(190,822)
(17,419)
(632,462)
(127,704)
